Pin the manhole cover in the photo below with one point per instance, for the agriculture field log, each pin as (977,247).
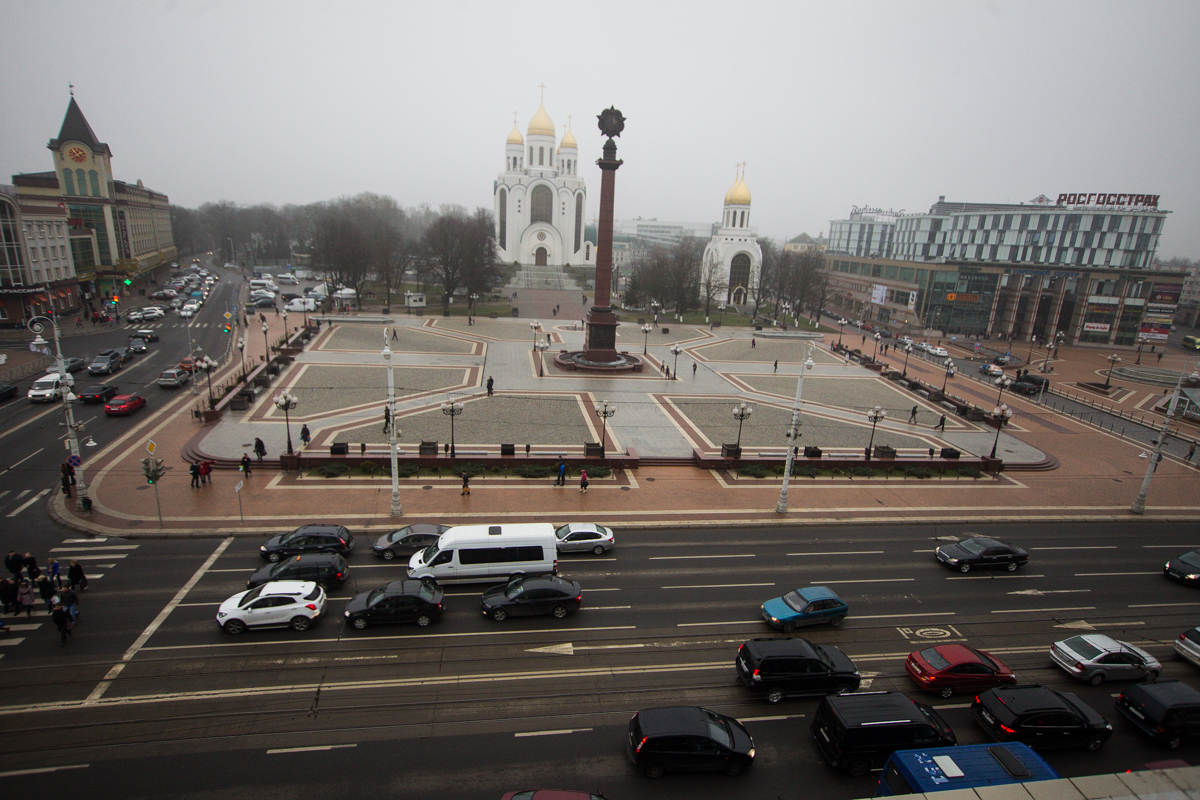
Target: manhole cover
(142,488)
(426,487)
(624,488)
(649,480)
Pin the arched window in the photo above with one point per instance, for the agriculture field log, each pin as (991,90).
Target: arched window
(739,274)
(578,221)
(68,182)
(541,204)
(95,176)
(503,216)
(81,182)
(541,156)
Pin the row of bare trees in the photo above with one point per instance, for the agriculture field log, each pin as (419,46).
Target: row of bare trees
(353,241)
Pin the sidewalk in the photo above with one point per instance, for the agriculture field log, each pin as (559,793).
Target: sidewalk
(1082,473)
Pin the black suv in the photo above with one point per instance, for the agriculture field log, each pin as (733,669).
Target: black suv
(326,569)
(776,668)
(308,539)
(1167,712)
(859,732)
(396,602)
(106,362)
(98,393)
(1040,717)
(688,738)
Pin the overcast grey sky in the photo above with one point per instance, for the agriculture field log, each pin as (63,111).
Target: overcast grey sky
(831,104)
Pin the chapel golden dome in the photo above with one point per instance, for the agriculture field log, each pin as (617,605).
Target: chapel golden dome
(738,195)
(515,136)
(541,124)
(568,140)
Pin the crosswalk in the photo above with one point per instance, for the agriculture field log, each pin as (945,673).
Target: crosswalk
(99,553)
(23,498)
(161,324)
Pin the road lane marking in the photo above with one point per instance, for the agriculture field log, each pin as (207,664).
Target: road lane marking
(1089,547)
(911,614)
(26,458)
(32,627)
(602,608)
(29,502)
(313,749)
(1042,610)
(717,586)
(770,719)
(11,642)
(504,632)
(96,540)
(41,770)
(215,571)
(550,733)
(683,558)
(840,553)
(94,549)
(988,577)
(1161,546)
(873,580)
(1107,574)
(701,624)
(98,693)
(82,557)
(1162,605)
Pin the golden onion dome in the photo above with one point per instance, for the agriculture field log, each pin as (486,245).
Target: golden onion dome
(739,195)
(541,124)
(568,140)
(515,137)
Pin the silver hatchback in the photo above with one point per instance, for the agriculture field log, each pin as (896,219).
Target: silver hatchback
(1096,658)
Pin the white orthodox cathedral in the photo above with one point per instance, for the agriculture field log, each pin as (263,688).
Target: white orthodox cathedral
(734,249)
(541,202)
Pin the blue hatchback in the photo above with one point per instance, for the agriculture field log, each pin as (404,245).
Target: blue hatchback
(812,605)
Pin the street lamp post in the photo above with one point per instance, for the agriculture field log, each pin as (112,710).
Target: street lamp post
(241,346)
(1139,503)
(37,325)
(1032,342)
(396,509)
(721,318)
(286,401)
(646,337)
(874,416)
(604,411)
(878,338)
(841,326)
(541,348)
(536,327)
(232,253)
(655,306)
(474,298)
(1002,414)
(675,351)
(452,410)
(950,370)
(907,353)
(283,316)
(266,343)
(1003,382)
(208,365)
(1141,342)
(793,432)
(191,357)
(1113,360)
(741,413)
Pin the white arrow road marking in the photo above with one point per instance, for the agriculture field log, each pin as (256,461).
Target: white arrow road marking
(1083,625)
(1040,592)
(567,648)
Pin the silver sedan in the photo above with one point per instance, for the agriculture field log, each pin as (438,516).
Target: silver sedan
(584,537)
(1096,658)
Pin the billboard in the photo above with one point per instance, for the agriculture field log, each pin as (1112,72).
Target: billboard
(1097,327)
(878,293)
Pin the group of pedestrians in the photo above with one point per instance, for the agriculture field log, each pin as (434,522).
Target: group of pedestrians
(561,478)
(201,472)
(29,582)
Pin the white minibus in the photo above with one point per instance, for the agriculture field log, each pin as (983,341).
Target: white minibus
(488,553)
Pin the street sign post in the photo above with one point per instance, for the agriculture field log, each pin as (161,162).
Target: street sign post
(238,491)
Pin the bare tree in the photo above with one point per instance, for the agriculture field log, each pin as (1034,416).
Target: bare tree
(342,246)
(683,272)
(712,282)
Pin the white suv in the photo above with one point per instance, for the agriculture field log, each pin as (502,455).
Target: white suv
(278,604)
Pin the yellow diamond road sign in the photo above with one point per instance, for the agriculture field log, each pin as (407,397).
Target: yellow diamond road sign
(228,315)
(150,445)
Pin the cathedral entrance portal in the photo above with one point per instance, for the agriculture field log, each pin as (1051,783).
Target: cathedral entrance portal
(539,257)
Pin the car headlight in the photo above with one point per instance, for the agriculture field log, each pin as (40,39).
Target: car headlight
(347,613)
(951,560)
(221,614)
(262,549)
(1192,577)
(774,619)
(751,753)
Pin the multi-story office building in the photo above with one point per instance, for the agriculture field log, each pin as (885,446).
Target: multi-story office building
(37,274)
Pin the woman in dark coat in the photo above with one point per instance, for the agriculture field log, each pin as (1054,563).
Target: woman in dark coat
(46,590)
(75,576)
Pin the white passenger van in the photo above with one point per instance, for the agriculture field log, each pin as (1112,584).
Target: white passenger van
(488,553)
(258,283)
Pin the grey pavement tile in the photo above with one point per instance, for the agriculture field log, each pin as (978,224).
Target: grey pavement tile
(787,351)
(502,419)
(324,389)
(408,339)
(860,393)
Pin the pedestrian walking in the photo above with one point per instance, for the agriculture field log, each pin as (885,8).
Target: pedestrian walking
(13,563)
(941,426)
(262,316)
(562,472)
(305,436)
(1191,452)
(912,416)
(490,385)
(583,481)
(277,311)
(776,365)
(668,369)
(1160,356)
(75,577)
(66,485)
(62,621)
(466,487)
(25,598)
(693,369)
(194,471)
(206,472)
(395,338)
(8,596)
(70,601)
(55,572)
(46,591)
(32,570)
(752,345)
(68,474)
(260,449)
(387,418)
(246,464)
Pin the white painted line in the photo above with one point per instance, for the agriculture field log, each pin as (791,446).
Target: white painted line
(503,632)
(702,624)
(11,642)
(29,502)
(1162,605)
(603,608)
(1170,546)
(681,558)
(1043,610)
(989,577)
(22,493)
(94,549)
(901,616)
(874,580)
(26,458)
(97,540)
(842,553)
(550,733)
(215,571)
(585,562)
(1089,547)
(41,770)
(82,557)
(116,669)
(770,719)
(1106,574)
(312,749)
(33,627)
(719,586)
(954,705)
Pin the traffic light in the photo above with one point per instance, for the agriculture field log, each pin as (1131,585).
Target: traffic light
(116,297)
(227,327)
(153,469)
(128,282)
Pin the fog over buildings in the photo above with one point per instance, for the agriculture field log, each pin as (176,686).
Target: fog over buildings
(830,105)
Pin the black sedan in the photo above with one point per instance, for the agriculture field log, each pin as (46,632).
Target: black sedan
(99,393)
(982,552)
(1040,717)
(308,539)
(400,602)
(541,594)
(137,345)
(146,335)
(407,540)
(73,364)
(8,390)
(265,302)
(1184,568)
(125,353)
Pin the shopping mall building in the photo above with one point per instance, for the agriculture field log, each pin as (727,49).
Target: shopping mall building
(1080,264)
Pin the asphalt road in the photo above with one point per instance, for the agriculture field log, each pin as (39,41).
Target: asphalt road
(151,699)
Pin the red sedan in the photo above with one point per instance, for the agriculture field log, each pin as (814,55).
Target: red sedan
(950,668)
(124,404)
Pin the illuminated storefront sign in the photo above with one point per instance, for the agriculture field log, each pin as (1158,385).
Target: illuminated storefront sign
(1108,199)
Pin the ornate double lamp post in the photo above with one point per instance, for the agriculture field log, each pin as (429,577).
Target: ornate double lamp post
(675,351)
(207,364)
(536,327)
(1001,414)
(841,326)
(541,348)
(286,401)
(907,353)
(878,338)
(950,370)
(1003,382)
(741,413)
(874,416)
(452,410)
(793,432)
(37,325)
(604,411)
(646,337)
(1113,360)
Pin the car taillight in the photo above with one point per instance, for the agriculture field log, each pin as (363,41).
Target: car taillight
(339,576)
(638,749)
(439,606)
(343,541)
(311,607)
(1181,636)
(579,597)
(554,569)
(1079,666)
(1006,729)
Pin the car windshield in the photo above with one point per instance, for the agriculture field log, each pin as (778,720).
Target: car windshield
(427,592)
(989,662)
(1080,645)
(374,597)
(514,590)
(562,532)
(45,383)
(396,535)
(1192,559)
(280,568)
(427,555)
(795,601)
(250,596)
(972,546)
(717,729)
(823,655)
(934,659)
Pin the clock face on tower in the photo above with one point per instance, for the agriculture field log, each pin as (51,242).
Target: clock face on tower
(77,154)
